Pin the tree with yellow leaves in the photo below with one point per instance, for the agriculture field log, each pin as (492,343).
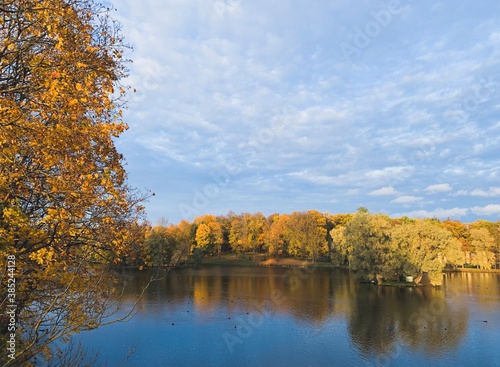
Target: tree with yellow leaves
(64,201)
(208,234)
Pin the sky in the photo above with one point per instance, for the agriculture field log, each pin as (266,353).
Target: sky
(277,106)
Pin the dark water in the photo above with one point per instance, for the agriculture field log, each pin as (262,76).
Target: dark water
(224,316)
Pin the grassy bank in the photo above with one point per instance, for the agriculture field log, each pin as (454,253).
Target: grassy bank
(257,259)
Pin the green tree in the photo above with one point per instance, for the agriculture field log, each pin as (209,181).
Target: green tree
(367,240)
(339,253)
(425,246)
(182,238)
(160,247)
(494,230)
(238,234)
(482,246)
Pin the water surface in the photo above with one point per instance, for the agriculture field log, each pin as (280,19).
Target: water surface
(228,316)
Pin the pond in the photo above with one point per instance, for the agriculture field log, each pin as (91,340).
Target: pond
(230,316)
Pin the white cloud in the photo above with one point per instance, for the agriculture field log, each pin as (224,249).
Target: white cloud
(384,191)
(438,213)
(433,189)
(492,192)
(491,209)
(495,38)
(264,85)
(406,199)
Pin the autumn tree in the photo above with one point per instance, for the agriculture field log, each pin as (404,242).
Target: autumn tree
(64,200)
(275,234)
(367,244)
(494,231)
(209,234)
(424,246)
(181,235)
(482,244)
(225,224)
(460,231)
(339,254)
(160,245)
(238,234)
(306,234)
(256,226)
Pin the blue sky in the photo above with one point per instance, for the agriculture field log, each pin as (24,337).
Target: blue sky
(277,106)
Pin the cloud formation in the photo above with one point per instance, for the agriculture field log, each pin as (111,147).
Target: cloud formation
(314,105)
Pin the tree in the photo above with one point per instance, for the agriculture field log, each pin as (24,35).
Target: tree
(209,234)
(367,240)
(483,245)
(425,247)
(181,235)
(275,235)
(338,247)
(64,200)
(494,231)
(339,253)
(256,225)
(160,246)
(306,234)
(461,233)
(238,235)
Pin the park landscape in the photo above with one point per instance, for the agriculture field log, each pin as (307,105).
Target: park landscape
(83,266)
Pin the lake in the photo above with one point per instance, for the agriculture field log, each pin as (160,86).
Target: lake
(229,316)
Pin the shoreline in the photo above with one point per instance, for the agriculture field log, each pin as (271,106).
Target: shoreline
(470,270)
(257,260)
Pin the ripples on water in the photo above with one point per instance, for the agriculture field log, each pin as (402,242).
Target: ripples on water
(223,316)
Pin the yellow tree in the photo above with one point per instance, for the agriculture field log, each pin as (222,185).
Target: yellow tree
(424,246)
(339,254)
(494,231)
(366,243)
(182,239)
(256,226)
(238,234)
(306,234)
(64,201)
(482,244)
(209,234)
(276,233)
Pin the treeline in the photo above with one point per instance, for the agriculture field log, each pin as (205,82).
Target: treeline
(379,248)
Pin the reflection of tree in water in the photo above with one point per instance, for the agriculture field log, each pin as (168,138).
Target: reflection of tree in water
(379,318)
(430,323)
(419,318)
(373,318)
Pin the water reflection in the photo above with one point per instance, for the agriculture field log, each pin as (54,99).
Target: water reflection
(379,319)
(418,318)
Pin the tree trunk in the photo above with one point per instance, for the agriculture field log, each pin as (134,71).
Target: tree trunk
(418,279)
